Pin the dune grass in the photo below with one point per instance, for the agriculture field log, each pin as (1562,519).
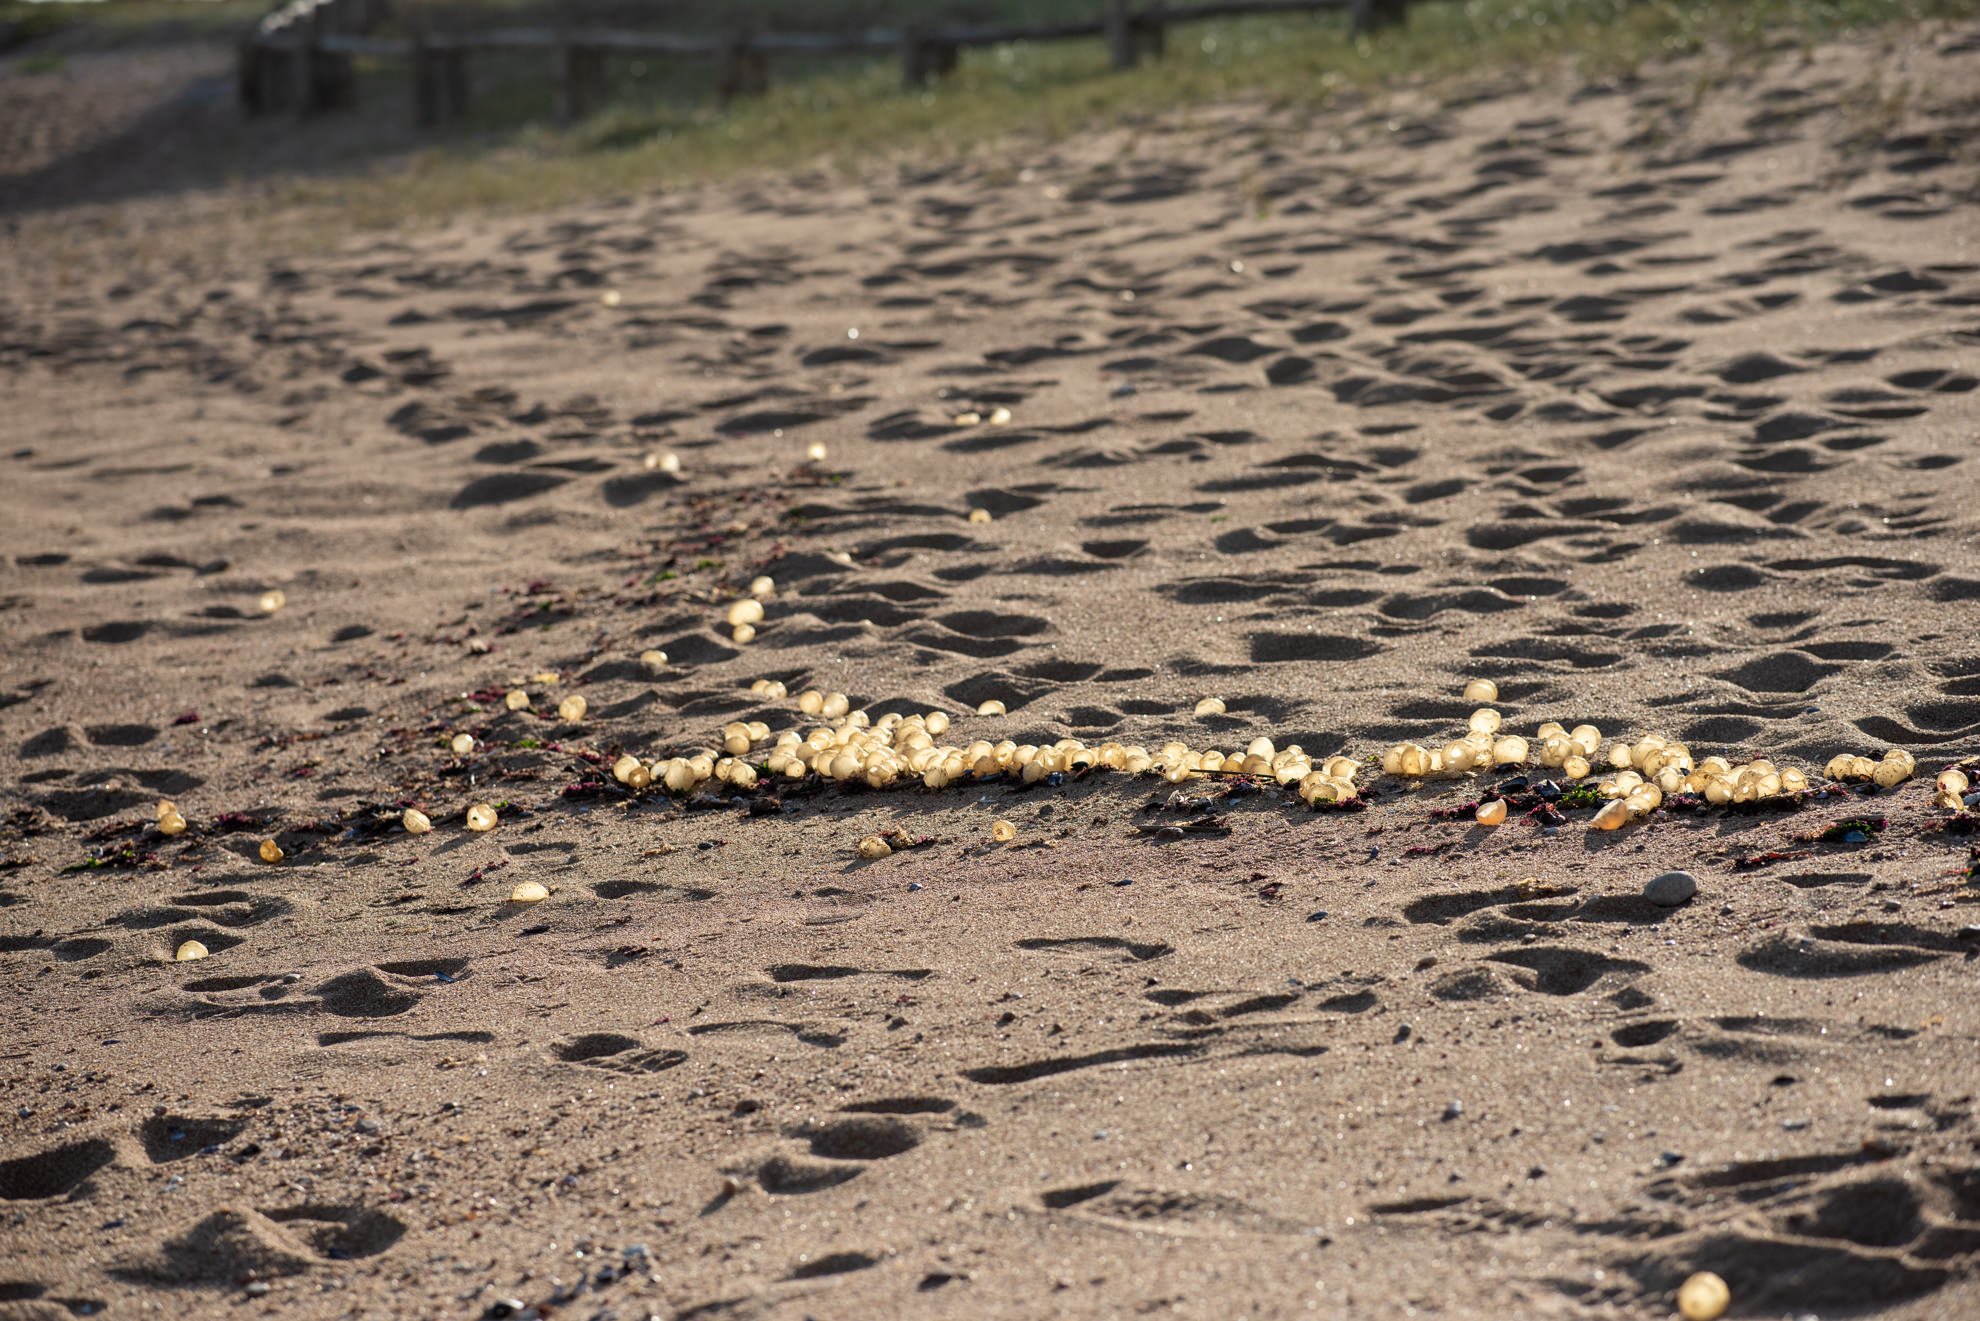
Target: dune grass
(665,127)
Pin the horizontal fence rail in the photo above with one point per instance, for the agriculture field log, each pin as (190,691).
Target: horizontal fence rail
(301,56)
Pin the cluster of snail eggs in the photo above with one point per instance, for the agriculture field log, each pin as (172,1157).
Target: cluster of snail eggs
(746,612)
(1484,746)
(1896,767)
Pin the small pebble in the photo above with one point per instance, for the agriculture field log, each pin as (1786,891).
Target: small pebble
(1671,890)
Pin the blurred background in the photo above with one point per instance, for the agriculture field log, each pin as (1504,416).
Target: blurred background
(107,100)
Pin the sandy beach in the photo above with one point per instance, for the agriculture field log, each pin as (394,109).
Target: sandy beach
(1654,403)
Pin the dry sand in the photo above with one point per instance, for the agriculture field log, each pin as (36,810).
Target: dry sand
(1656,404)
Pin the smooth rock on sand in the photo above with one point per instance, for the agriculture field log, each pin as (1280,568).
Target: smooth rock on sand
(1671,890)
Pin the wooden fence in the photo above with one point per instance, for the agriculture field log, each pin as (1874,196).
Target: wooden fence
(300,58)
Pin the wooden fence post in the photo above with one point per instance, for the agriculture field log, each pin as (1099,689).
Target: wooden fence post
(584,73)
(302,69)
(454,81)
(914,59)
(1373,15)
(745,69)
(560,65)
(1120,35)
(1150,33)
(922,59)
(426,82)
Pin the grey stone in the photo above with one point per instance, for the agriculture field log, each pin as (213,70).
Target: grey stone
(1672,889)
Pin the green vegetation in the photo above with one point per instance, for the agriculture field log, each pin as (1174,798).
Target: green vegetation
(665,126)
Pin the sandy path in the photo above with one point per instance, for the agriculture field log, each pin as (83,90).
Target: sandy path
(1659,414)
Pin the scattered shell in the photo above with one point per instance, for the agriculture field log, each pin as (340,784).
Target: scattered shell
(529,892)
(1210,706)
(667,462)
(271,851)
(1492,813)
(874,847)
(415,821)
(609,298)
(969,419)
(746,611)
(517,700)
(571,709)
(1612,815)
(992,707)
(462,744)
(1481,690)
(1002,831)
(1703,1297)
(653,657)
(481,817)
(171,823)
(762,587)
(815,452)
(979,515)
(1000,417)
(743,634)
(189,951)
(271,601)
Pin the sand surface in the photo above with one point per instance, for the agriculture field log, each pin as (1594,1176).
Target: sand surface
(1654,403)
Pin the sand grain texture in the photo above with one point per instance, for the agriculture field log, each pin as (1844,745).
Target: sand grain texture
(1660,415)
